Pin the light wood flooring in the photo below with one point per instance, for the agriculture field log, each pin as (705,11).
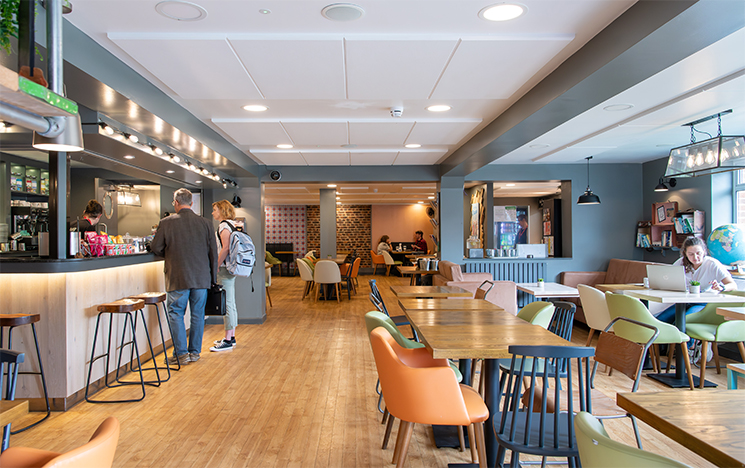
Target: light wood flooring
(297,391)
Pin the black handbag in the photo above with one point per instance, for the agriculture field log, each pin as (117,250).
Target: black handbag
(215,300)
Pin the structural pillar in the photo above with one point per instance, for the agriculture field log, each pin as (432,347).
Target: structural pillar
(451,223)
(328,223)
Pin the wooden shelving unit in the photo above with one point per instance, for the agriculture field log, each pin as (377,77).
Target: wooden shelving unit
(29,96)
(669,227)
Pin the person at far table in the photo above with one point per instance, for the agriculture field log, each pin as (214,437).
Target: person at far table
(384,245)
(419,245)
(522,234)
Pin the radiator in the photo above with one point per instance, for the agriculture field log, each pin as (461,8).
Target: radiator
(519,271)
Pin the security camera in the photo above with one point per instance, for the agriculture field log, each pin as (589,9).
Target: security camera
(397,111)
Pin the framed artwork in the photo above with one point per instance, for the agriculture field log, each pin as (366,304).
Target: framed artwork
(661,214)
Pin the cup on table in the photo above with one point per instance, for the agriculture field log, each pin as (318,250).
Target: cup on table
(646,282)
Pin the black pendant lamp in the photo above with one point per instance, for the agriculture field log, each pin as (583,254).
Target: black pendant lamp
(588,198)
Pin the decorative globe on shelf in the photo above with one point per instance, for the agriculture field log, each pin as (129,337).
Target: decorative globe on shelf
(727,244)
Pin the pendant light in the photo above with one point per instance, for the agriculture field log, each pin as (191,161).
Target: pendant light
(588,198)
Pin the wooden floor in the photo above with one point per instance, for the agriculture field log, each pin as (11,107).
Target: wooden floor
(297,391)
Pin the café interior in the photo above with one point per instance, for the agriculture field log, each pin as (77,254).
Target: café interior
(327,127)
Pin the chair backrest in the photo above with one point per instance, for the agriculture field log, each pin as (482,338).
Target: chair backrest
(355,267)
(483,289)
(598,450)
(623,355)
(428,394)
(268,275)
(376,298)
(306,274)
(531,372)
(327,272)
(620,305)
(563,320)
(97,453)
(375,319)
(594,306)
(376,258)
(9,362)
(538,313)
(388,259)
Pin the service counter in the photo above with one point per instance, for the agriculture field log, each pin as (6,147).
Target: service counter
(66,293)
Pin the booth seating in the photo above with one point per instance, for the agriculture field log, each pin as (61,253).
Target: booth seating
(503,294)
(619,272)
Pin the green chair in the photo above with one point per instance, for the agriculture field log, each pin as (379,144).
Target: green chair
(389,262)
(598,450)
(272,261)
(709,327)
(620,305)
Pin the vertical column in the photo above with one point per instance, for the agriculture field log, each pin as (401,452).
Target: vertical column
(328,223)
(451,224)
(489,216)
(59,192)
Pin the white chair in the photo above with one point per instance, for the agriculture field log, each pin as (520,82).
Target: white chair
(596,309)
(389,262)
(327,272)
(268,281)
(306,274)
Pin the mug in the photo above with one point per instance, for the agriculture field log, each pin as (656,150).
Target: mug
(646,282)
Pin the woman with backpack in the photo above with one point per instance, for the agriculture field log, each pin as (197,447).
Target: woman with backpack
(224,213)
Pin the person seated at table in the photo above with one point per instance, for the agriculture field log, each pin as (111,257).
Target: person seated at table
(384,245)
(419,245)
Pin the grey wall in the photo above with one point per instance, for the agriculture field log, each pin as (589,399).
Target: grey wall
(138,221)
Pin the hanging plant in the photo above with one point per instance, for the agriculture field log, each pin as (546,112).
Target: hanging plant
(8,23)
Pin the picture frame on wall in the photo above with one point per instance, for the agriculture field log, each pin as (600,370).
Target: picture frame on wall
(661,214)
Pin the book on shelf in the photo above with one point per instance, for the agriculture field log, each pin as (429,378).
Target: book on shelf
(643,240)
(688,224)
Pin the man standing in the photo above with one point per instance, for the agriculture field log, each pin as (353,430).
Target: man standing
(522,234)
(187,243)
(419,243)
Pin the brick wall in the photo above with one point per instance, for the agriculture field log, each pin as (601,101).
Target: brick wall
(353,229)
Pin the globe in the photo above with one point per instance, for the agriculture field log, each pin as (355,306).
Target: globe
(727,244)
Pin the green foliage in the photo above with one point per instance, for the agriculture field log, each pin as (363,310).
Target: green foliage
(695,283)
(8,22)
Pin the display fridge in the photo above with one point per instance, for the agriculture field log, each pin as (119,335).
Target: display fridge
(505,235)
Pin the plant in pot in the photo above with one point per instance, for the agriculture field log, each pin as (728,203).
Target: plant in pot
(695,287)
(540,282)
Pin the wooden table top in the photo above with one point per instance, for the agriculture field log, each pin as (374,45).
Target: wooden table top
(679,297)
(477,334)
(619,287)
(548,290)
(708,422)
(447,305)
(412,270)
(10,411)
(430,291)
(732,313)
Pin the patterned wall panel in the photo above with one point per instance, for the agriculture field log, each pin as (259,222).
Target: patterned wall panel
(286,224)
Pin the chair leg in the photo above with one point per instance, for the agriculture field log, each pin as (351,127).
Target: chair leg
(715,348)
(589,337)
(387,270)
(480,444)
(741,348)
(687,362)
(473,370)
(337,287)
(670,350)
(702,363)
(268,296)
(318,289)
(399,436)
(386,415)
(461,440)
(408,429)
(472,443)
(388,428)
(657,357)
(636,432)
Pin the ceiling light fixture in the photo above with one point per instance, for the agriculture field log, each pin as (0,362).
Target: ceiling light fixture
(331,186)
(719,154)
(174,158)
(342,12)
(618,107)
(156,150)
(106,128)
(661,187)
(181,11)
(284,146)
(439,108)
(129,156)
(413,145)
(70,139)
(502,12)
(170,171)
(264,11)
(255,108)
(588,198)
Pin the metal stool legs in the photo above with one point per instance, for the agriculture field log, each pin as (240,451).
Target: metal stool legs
(163,342)
(155,383)
(40,373)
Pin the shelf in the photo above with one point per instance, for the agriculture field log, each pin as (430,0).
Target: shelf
(27,194)
(31,97)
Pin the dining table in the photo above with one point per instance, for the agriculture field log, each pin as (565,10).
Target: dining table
(732,313)
(415,273)
(548,290)
(446,305)
(709,423)
(680,299)
(478,334)
(10,411)
(615,288)
(430,291)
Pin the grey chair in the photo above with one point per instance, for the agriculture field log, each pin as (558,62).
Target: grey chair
(9,362)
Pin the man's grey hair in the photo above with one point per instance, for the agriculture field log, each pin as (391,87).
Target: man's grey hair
(183,197)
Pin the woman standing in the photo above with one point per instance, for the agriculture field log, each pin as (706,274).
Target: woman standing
(91,217)
(383,245)
(224,213)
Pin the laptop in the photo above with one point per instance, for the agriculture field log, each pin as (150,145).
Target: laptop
(667,277)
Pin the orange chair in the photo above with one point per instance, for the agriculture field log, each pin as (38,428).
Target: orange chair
(421,390)
(97,453)
(376,260)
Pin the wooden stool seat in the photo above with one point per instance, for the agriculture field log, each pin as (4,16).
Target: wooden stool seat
(150,297)
(122,305)
(15,320)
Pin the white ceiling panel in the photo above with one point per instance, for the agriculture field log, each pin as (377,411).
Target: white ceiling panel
(194,69)
(327,159)
(435,133)
(317,133)
(421,157)
(377,134)
(280,159)
(254,133)
(395,69)
(373,159)
(308,69)
(503,67)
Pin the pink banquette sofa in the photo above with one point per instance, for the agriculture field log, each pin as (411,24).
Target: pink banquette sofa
(503,294)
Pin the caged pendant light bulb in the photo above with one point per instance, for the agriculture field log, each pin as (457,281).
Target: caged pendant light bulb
(588,198)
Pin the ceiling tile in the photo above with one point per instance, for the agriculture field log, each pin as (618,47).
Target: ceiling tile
(280,159)
(420,157)
(327,159)
(395,69)
(373,159)
(317,133)
(433,133)
(378,134)
(307,69)
(254,133)
(214,72)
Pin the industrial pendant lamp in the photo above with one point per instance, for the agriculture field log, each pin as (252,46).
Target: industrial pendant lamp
(588,198)
(70,140)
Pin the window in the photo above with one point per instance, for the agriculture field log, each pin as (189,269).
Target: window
(739,196)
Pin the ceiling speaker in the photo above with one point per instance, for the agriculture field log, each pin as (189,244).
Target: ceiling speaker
(275,175)
(430,212)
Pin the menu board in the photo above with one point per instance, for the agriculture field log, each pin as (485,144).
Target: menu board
(505,214)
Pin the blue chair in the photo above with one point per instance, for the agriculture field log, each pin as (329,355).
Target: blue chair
(9,362)
(377,299)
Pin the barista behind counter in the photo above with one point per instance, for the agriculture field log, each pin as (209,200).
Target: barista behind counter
(91,216)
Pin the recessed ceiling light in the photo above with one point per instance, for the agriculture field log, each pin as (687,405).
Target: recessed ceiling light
(343,12)
(420,202)
(338,203)
(510,185)
(413,145)
(431,198)
(284,146)
(169,171)
(502,12)
(539,146)
(264,11)
(199,181)
(181,11)
(129,156)
(338,198)
(331,186)
(255,108)
(438,108)
(351,145)
(618,107)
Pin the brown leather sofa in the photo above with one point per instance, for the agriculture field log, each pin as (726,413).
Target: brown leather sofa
(503,294)
(619,272)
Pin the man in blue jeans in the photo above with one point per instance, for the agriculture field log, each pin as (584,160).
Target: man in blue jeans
(187,243)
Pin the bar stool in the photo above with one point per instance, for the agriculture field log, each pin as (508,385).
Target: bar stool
(15,320)
(125,307)
(155,298)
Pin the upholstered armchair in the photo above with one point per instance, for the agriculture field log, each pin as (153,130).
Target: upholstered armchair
(503,294)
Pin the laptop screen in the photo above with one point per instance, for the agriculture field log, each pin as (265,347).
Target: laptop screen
(666,277)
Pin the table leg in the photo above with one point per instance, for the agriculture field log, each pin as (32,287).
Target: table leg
(731,380)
